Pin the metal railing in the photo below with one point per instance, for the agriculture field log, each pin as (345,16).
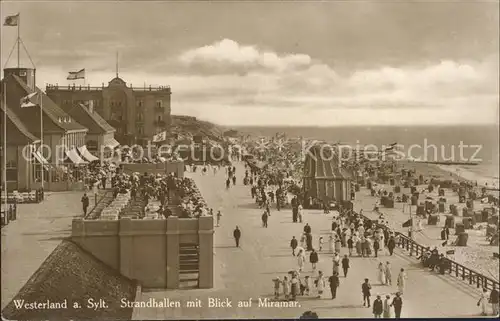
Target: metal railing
(456,269)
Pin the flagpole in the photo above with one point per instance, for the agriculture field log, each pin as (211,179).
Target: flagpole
(5,145)
(18,39)
(41,135)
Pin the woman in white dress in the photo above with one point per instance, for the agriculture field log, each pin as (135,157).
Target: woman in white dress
(320,283)
(483,302)
(331,241)
(381,273)
(402,281)
(301,259)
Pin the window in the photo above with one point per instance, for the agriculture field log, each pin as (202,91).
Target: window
(159,103)
(140,130)
(139,117)
(140,103)
(59,119)
(159,119)
(11,171)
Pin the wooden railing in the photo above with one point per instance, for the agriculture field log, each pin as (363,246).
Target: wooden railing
(454,268)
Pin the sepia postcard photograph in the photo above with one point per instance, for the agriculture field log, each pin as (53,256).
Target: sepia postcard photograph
(249,159)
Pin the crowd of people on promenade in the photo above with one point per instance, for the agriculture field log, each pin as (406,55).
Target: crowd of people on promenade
(164,189)
(352,234)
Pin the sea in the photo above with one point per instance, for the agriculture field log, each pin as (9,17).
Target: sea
(460,143)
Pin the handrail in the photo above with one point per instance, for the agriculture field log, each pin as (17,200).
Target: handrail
(456,269)
(88,216)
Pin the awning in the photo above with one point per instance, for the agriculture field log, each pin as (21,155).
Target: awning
(111,142)
(86,154)
(73,156)
(39,157)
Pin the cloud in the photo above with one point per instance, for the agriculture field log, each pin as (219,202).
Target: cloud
(229,52)
(276,91)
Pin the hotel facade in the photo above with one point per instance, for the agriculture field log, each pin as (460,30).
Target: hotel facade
(136,113)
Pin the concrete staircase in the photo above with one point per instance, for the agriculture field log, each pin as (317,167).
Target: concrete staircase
(105,199)
(188,265)
(135,209)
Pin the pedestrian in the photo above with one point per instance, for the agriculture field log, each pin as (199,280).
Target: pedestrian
(494,300)
(350,245)
(320,243)
(299,212)
(85,203)
(307,229)
(388,273)
(237,236)
(309,246)
(320,284)
(378,307)
(365,289)
(397,303)
(264,219)
(313,258)
(303,240)
(301,259)
(294,286)
(345,265)
(483,302)
(334,284)
(277,283)
(234,180)
(331,242)
(307,285)
(376,246)
(337,244)
(228,183)
(286,288)
(387,308)
(391,244)
(402,281)
(219,214)
(381,273)
(293,244)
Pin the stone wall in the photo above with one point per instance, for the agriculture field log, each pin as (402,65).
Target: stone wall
(148,250)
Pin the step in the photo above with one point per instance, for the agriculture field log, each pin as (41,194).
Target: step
(196,271)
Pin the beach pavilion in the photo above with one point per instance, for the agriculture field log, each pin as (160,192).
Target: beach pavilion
(324,178)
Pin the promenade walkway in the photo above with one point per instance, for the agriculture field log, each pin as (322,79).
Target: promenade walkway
(245,273)
(478,255)
(29,240)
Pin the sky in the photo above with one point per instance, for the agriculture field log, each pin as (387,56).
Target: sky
(305,63)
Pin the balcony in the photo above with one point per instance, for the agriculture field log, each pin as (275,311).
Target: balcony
(159,109)
(160,123)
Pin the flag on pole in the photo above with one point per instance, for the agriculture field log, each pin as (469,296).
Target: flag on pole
(11,21)
(26,101)
(76,75)
(160,137)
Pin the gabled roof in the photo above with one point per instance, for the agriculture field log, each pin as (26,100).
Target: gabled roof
(90,119)
(50,108)
(17,123)
(322,163)
(70,273)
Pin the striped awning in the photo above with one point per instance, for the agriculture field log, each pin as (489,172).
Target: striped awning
(74,157)
(111,142)
(86,154)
